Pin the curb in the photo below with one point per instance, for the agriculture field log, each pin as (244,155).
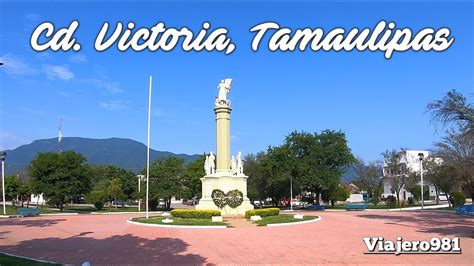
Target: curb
(60,214)
(179,226)
(28,258)
(295,223)
(116,213)
(433,207)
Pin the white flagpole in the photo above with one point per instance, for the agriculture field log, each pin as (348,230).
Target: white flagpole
(148,148)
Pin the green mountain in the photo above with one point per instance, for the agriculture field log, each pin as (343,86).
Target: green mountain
(125,153)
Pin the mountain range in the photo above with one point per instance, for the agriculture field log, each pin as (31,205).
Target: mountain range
(125,153)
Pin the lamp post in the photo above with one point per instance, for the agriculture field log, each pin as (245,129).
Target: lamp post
(421,157)
(148,148)
(140,177)
(2,156)
(291,193)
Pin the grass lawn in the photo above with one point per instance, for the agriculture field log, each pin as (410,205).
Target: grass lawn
(10,260)
(177,221)
(370,206)
(282,218)
(13,210)
(120,209)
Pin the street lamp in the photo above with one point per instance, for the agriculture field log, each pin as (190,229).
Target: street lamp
(2,156)
(291,193)
(421,157)
(140,178)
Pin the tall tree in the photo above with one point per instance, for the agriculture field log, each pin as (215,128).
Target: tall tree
(60,176)
(394,172)
(453,108)
(256,182)
(368,178)
(318,160)
(457,148)
(276,173)
(457,151)
(114,190)
(166,179)
(102,175)
(191,178)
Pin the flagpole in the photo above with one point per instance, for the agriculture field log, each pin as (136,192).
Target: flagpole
(148,148)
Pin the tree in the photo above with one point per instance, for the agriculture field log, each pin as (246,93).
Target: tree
(97,198)
(318,160)
(341,193)
(103,174)
(433,168)
(114,190)
(193,172)
(368,179)
(457,148)
(453,108)
(447,180)
(275,180)
(256,182)
(60,176)
(457,151)
(394,172)
(166,179)
(12,187)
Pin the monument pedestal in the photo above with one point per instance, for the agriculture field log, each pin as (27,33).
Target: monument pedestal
(223,178)
(225,181)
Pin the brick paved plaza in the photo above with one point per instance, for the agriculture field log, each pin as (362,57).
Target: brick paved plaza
(337,238)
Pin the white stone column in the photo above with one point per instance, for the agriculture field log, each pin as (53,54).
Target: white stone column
(223,138)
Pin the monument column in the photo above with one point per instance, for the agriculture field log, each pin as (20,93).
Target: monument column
(223,138)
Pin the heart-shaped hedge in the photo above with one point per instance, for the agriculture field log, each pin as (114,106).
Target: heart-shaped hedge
(233,198)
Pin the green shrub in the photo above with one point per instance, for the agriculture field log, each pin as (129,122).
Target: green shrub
(153,204)
(262,212)
(391,201)
(195,214)
(411,201)
(96,197)
(457,199)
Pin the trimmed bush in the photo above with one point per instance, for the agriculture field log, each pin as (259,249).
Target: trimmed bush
(457,199)
(153,204)
(391,201)
(262,212)
(195,214)
(411,201)
(96,197)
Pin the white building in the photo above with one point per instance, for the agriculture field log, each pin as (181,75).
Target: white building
(409,160)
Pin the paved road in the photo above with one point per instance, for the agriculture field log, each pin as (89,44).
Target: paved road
(337,238)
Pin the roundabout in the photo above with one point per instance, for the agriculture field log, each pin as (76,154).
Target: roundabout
(228,222)
(337,238)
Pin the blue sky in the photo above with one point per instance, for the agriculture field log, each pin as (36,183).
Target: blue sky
(378,103)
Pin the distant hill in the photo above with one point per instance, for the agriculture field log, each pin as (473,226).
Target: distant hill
(125,153)
(349,176)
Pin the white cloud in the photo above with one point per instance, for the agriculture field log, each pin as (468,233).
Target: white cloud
(32,17)
(110,86)
(31,21)
(9,140)
(78,58)
(14,66)
(114,105)
(57,72)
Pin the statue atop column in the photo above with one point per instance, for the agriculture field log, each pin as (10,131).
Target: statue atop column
(223,89)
